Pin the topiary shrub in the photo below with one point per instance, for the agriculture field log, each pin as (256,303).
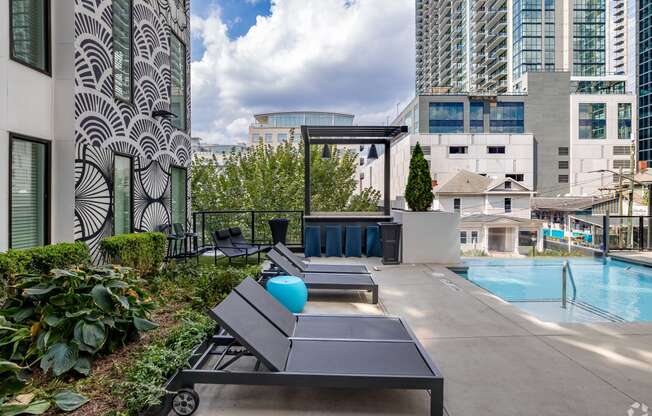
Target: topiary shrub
(143,252)
(418,191)
(40,260)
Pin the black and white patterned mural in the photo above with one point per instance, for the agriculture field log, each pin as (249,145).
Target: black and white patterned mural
(106,126)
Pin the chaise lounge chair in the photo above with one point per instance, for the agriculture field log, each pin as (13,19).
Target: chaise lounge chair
(318,267)
(320,326)
(222,243)
(341,281)
(239,241)
(300,362)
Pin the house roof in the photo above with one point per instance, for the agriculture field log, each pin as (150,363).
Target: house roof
(567,204)
(465,182)
(499,219)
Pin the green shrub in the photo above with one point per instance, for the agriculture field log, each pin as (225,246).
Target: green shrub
(207,285)
(40,260)
(72,315)
(145,378)
(143,252)
(418,191)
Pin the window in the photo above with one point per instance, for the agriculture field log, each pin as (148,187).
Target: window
(563,164)
(178,192)
(624,121)
(622,150)
(178,85)
(457,205)
(562,178)
(30,33)
(282,137)
(476,121)
(458,150)
(446,118)
(29,189)
(496,150)
(462,237)
(122,174)
(508,185)
(508,205)
(592,121)
(518,177)
(562,151)
(474,237)
(122,44)
(506,117)
(621,163)
(268,138)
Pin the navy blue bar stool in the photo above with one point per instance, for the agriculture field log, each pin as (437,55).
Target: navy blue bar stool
(333,241)
(353,241)
(312,241)
(373,241)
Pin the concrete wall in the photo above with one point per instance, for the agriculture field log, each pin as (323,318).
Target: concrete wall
(429,237)
(547,116)
(41,106)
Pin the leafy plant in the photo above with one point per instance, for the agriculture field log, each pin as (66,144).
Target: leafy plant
(143,252)
(40,260)
(418,191)
(144,380)
(72,315)
(13,382)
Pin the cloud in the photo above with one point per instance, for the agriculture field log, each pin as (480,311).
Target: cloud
(352,56)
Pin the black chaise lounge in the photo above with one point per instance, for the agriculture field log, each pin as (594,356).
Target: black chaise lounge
(340,281)
(222,242)
(239,241)
(319,267)
(299,362)
(321,326)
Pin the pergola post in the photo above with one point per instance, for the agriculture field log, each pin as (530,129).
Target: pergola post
(387,178)
(307,189)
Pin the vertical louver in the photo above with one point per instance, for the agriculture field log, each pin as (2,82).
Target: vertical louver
(178,87)
(122,195)
(122,59)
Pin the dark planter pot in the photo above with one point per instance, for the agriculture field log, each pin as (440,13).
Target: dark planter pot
(279,227)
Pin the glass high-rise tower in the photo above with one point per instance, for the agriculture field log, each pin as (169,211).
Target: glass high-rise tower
(645,81)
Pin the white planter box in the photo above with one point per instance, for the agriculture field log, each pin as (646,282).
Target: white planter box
(429,237)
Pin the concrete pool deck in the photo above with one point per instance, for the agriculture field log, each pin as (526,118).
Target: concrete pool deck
(496,358)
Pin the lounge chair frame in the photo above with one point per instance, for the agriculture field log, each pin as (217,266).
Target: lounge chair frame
(318,267)
(329,281)
(230,349)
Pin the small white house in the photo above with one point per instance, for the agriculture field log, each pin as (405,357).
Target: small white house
(495,213)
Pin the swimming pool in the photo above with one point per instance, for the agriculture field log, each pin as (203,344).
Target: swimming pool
(615,290)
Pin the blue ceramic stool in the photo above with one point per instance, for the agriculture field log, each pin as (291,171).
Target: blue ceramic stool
(373,241)
(333,241)
(312,244)
(290,291)
(353,241)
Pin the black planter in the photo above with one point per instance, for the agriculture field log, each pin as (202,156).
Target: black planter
(279,227)
(390,241)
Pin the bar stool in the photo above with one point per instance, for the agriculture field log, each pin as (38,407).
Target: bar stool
(373,241)
(333,241)
(312,241)
(353,246)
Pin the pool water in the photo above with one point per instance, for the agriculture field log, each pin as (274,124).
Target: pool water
(620,290)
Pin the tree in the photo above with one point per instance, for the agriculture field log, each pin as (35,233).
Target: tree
(266,178)
(418,191)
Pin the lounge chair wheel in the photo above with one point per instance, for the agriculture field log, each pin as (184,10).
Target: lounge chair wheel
(185,402)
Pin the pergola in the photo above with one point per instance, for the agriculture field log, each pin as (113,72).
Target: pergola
(349,135)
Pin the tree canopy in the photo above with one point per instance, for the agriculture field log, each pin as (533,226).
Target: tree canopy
(266,178)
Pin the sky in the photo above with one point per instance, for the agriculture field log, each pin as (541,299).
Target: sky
(260,56)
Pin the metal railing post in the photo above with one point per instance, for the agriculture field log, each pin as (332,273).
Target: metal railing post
(605,234)
(203,229)
(253,227)
(564,271)
(641,234)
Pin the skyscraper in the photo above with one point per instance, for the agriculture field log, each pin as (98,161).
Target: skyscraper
(487,45)
(645,81)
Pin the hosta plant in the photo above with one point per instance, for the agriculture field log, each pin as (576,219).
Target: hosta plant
(73,315)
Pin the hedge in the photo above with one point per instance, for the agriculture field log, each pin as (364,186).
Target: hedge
(40,260)
(141,251)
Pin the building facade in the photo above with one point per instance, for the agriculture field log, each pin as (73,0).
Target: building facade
(97,135)
(488,45)
(216,152)
(276,128)
(644,82)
